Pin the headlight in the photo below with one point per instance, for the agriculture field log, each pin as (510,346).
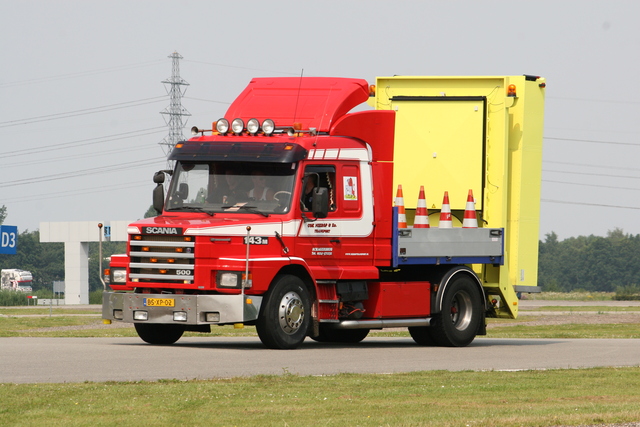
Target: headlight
(118,275)
(237,126)
(222,126)
(232,279)
(228,280)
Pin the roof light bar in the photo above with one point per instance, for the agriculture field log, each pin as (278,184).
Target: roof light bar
(237,126)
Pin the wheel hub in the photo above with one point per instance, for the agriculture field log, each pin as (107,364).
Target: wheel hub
(291,313)
(461,310)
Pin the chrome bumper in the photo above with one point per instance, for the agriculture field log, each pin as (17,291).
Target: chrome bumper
(121,306)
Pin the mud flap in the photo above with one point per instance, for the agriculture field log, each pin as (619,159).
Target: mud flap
(482,326)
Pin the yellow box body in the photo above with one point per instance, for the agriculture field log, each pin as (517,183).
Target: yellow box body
(457,134)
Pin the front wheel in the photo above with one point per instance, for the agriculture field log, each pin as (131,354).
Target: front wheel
(285,314)
(158,334)
(459,321)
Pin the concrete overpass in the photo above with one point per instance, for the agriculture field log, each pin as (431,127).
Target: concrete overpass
(76,237)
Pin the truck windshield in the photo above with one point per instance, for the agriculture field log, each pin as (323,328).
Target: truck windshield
(212,187)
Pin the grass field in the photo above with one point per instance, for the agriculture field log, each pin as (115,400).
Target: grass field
(600,396)
(432,398)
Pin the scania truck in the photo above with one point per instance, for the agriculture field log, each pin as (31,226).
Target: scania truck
(285,213)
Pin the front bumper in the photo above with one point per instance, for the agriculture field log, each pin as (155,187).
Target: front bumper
(199,309)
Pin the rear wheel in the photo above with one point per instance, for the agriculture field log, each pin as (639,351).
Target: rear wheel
(458,323)
(421,335)
(158,334)
(341,335)
(285,314)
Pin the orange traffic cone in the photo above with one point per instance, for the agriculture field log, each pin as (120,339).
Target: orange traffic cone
(470,219)
(421,219)
(402,217)
(445,213)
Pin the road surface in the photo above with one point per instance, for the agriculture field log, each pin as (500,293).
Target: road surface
(57,360)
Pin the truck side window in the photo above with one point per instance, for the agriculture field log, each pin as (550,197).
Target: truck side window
(318,176)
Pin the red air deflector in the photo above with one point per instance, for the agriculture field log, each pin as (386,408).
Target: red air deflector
(314,102)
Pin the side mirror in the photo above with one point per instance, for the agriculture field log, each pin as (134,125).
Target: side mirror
(158,177)
(320,202)
(158,192)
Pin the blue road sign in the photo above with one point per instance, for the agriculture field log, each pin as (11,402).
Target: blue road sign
(8,239)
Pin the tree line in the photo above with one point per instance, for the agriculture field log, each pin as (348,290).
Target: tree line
(590,263)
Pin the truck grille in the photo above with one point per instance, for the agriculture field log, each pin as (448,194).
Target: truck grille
(162,259)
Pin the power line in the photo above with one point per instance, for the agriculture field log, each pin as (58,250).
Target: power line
(592,141)
(593,174)
(78,156)
(592,185)
(591,166)
(68,193)
(589,204)
(593,100)
(206,100)
(82,112)
(78,173)
(81,142)
(241,68)
(81,73)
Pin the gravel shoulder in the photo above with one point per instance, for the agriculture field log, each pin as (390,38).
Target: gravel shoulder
(532,312)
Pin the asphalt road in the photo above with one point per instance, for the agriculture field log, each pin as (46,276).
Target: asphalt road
(58,360)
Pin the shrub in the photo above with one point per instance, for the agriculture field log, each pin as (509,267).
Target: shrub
(95,297)
(12,298)
(627,293)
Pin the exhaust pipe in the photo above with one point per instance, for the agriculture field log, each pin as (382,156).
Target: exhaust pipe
(382,323)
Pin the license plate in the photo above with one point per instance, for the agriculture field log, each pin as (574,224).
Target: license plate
(159,302)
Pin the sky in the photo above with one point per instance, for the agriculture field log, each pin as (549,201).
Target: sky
(82,92)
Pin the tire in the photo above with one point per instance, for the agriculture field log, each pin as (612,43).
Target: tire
(422,335)
(351,336)
(459,321)
(159,334)
(285,314)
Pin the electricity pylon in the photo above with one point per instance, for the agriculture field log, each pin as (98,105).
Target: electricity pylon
(176,87)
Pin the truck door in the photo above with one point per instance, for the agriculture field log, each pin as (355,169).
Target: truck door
(344,238)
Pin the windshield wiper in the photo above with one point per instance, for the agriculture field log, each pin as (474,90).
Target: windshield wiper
(251,209)
(191,208)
